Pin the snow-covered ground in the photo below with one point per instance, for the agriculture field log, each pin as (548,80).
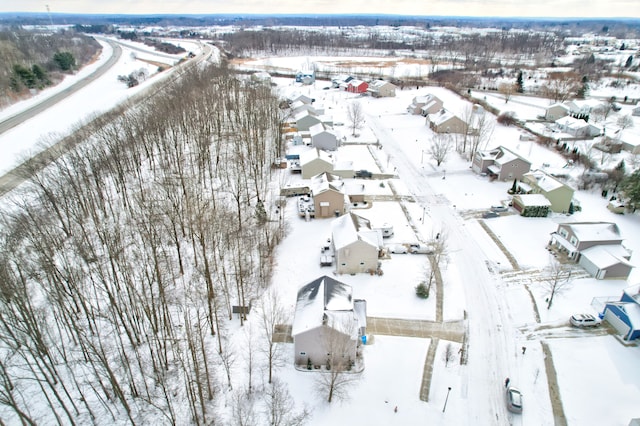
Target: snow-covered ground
(597,376)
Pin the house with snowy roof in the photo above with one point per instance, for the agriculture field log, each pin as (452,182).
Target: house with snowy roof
(315,161)
(624,315)
(596,246)
(329,198)
(540,182)
(328,325)
(425,104)
(500,163)
(323,137)
(305,119)
(577,128)
(556,111)
(445,121)
(381,89)
(582,108)
(355,86)
(356,245)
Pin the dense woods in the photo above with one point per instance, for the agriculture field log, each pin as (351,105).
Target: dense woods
(122,260)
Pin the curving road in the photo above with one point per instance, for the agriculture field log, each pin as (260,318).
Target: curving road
(16,119)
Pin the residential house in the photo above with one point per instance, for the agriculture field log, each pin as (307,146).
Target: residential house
(356,246)
(261,77)
(577,128)
(531,205)
(624,315)
(329,196)
(556,111)
(500,163)
(315,161)
(343,168)
(340,80)
(296,96)
(356,86)
(299,106)
(540,182)
(306,77)
(596,246)
(305,119)
(425,104)
(381,89)
(323,137)
(629,141)
(446,122)
(636,111)
(328,325)
(582,108)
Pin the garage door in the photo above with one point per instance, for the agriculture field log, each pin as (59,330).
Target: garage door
(617,323)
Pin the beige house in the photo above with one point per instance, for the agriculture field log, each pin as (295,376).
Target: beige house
(446,122)
(356,246)
(539,182)
(556,111)
(329,199)
(500,163)
(328,325)
(381,89)
(425,104)
(315,161)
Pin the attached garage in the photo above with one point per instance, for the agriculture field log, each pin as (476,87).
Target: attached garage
(624,317)
(605,262)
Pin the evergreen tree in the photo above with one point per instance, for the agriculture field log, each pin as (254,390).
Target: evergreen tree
(630,187)
(629,61)
(519,83)
(65,60)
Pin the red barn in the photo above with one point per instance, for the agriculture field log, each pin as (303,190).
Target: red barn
(357,86)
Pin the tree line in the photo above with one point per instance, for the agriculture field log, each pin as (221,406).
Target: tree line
(122,260)
(35,60)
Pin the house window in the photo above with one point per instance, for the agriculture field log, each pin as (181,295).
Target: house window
(361,263)
(303,353)
(573,241)
(343,264)
(564,232)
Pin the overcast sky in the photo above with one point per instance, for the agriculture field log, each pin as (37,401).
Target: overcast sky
(518,8)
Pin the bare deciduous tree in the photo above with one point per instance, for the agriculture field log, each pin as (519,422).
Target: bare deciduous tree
(280,408)
(557,278)
(355,113)
(440,147)
(271,315)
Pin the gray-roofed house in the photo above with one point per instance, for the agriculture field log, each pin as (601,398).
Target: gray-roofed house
(500,163)
(596,246)
(323,137)
(356,245)
(328,325)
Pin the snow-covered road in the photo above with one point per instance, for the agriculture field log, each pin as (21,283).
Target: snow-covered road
(492,353)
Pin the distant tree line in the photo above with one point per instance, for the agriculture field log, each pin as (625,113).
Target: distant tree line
(34,60)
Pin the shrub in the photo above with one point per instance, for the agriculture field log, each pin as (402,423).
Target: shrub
(506,119)
(422,291)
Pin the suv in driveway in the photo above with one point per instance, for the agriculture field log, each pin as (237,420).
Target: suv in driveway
(584,320)
(513,399)
(418,248)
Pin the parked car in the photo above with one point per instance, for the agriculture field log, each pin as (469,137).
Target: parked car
(584,320)
(513,400)
(489,215)
(419,248)
(398,249)
(499,208)
(364,174)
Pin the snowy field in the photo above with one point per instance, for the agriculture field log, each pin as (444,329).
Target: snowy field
(607,394)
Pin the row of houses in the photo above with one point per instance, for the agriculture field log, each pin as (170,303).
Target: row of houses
(438,118)
(377,88)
